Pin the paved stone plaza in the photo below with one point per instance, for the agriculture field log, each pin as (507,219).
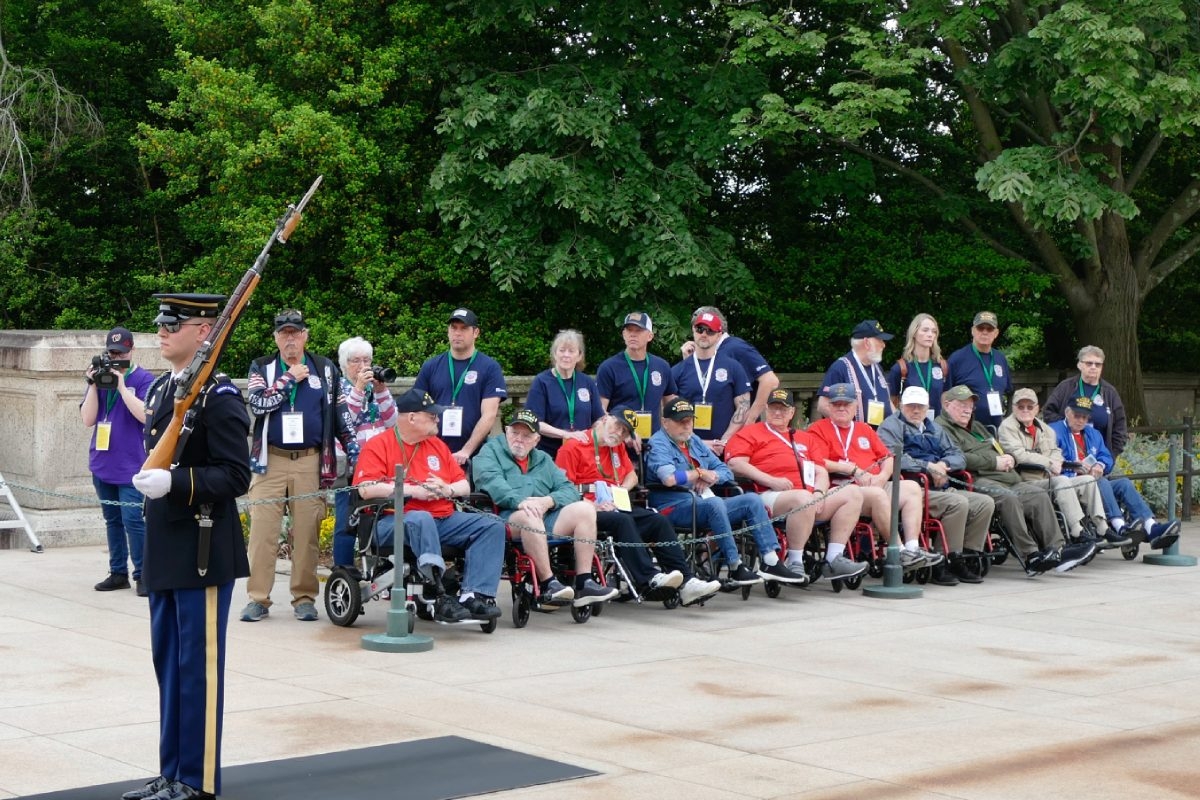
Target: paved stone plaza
(1085,685)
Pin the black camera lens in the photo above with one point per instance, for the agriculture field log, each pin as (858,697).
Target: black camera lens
(383,374)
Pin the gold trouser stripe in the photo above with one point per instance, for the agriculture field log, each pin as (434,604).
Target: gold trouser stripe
(211,656)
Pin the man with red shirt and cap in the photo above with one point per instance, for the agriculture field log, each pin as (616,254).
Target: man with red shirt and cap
(602,472)
(855,454)
(788,469)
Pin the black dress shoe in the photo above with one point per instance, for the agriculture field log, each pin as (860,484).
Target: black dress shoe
(149,790)
(180,791)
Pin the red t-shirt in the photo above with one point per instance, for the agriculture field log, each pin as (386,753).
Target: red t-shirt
(381,454)
(584,464)
(860,446)
(771,451)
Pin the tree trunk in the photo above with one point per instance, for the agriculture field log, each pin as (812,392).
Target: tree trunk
(1109,317)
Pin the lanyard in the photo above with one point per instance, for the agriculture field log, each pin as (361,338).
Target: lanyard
(405,461)
(686,454)
(706,378)
(456,386)
(790,442)
(926,379)
(846,444)
(292,390)
(569,395)
(1082,392)
(645,379)
(988,370)
(868,379)
(616,461)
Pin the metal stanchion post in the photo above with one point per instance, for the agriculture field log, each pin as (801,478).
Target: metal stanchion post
(1171,557)
(893,574)
(399,637)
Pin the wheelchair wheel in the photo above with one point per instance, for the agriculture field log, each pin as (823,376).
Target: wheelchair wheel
(597,608)
(921,575)
(424,611)
(772,588)
(582,614)
(985,565)
(853,583)
(343,599)
(671,602)
(522,603)
(909,576)
(412,618)
(486,627)
(837,585)
(1130,551)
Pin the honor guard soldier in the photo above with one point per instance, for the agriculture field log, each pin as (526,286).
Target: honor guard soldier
(194,552)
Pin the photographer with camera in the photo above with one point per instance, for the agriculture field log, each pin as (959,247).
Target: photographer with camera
(114,408)
(373,409)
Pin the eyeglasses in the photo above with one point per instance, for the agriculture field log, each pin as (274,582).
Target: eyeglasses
(704,329)
(173,327)
(1026,406)
(359,360)
(1092,363)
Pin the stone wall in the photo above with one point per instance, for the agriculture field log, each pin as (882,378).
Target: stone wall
(44,445)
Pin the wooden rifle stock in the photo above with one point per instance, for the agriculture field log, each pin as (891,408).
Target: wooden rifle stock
(196,374)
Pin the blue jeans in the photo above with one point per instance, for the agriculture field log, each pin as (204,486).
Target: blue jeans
(1118,492)
(480,535)
(124,525)
(344,541)
(718,514)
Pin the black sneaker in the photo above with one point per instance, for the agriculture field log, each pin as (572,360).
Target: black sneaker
(781,572)
(481,608)
(741,575)
(592,592)
(1039,562)
(1113,539)
(448,609)
(1163,535)
(142,591)
(964,568)
(114,581)
(1075,555)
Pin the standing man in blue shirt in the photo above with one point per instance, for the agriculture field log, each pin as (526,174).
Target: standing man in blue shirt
(763,379)
(860,367)
(468,383)
(636,379)
(715,383)
(984,369)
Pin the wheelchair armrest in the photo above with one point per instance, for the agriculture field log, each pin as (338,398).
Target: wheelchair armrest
(727,490)
(1033,468)
(1073,465)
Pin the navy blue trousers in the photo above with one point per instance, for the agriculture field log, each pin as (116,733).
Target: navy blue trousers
(187,638)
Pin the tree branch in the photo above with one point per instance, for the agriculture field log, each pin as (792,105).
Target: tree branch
(1143,161)
(1168,265)
(1185,205)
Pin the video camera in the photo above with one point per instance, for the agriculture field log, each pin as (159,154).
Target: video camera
(106,368)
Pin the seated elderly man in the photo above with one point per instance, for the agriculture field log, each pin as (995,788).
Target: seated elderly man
(679,458)
(1086,454)
(855,454)
(788,468)
(926,448)
(601,470)
(1024,509)
(432,478)
(1031,442)
(535,498)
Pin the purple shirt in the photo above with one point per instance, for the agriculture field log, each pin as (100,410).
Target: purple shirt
(125,453)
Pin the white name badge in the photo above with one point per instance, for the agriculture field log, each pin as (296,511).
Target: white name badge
(810,474)
(995,404)
(1098,400)
(930,415)
(644,422)
(293,427)
(452,421)
(703,416)
(874,413)
(103,435)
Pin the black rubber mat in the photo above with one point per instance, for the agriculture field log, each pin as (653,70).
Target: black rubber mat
(427,769)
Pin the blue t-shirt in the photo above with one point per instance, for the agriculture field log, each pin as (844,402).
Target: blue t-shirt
(929,375)
(307,400)
(726,382)
(619,379)
(476,379)
(752,361)
(983,372)
(869,381)
(126,452)
(548,398)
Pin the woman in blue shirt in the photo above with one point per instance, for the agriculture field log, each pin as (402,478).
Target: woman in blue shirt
(921,364)
(566,401)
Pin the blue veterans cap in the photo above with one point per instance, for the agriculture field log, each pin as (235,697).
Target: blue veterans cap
(842,393)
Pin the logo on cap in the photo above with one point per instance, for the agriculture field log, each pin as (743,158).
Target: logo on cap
(842,393)
(527,418)
(679,409)
(639,318)
(781,396)
(1081,404)
(985,318)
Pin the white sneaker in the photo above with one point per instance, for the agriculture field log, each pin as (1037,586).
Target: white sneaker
(696,589)
(912,559)
(667,580)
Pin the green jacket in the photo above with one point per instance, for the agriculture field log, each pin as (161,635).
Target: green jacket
(979,447)
(497,473)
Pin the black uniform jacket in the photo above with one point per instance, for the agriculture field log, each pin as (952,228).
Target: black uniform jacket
(214,468)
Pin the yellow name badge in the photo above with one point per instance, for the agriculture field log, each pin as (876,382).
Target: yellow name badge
(620,497)
(103,435)
(644,421)
(703,416)
(874,413)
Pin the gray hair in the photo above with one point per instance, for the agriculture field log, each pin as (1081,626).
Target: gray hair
(1090,350)
(569,336)
(350,348)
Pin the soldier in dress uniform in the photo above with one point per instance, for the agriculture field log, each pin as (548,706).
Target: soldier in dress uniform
(190,576)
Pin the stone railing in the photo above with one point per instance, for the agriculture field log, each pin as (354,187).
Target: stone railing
(44,444)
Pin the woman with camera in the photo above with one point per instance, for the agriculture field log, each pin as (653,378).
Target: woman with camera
(372,407)
(114,408)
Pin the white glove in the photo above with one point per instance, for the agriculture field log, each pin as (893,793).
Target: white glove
(154,483)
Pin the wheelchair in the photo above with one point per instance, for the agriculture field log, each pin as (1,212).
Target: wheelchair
(523,578)
(348,589)
(702,553)
(932,536)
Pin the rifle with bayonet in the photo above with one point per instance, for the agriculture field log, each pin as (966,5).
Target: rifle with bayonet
(191,381)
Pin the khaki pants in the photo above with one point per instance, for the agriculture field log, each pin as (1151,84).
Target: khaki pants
(285,478)
(965,517)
